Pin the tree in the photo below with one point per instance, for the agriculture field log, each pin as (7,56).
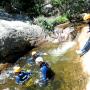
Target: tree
(30,7)
(71,7)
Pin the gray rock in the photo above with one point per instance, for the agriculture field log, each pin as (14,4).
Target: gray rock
(62,35)
(16,38)
(47,10)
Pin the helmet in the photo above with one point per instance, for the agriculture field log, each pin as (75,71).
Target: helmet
(33,53)
(38,59)
(17,69)
(86,16)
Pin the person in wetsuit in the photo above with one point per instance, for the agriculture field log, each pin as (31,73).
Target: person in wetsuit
(46,73)
(21,76)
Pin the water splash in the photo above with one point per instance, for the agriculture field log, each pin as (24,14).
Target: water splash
(88,85)
(86,67)
(8,74)
(3,77)
(86,62)
(62,50)
(85,58)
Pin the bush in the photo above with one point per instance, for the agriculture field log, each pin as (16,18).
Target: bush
(49,24)
(44,22)
(61,19)
(71,7)
(30,7)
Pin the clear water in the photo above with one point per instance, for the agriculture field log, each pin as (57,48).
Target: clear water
(67,66)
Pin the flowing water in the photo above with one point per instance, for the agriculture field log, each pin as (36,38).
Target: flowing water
(66,65)
(72,73)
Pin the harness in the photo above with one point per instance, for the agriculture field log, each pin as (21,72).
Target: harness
(23,76)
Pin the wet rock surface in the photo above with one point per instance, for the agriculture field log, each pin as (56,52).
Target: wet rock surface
(68,69)
(17,37)
(6,16)
(62,33)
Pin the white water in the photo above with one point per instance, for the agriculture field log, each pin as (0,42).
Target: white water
(83,37)
(62,50)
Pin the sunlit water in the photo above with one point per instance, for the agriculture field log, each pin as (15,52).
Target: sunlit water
(85,59)
(68,69)
(86,67)
(62,49)
(71,71)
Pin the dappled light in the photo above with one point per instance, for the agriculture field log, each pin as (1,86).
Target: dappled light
(85,59)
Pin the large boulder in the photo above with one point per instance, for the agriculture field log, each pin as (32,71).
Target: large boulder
(16,38)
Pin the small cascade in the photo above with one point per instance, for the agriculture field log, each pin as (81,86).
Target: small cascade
(62,49)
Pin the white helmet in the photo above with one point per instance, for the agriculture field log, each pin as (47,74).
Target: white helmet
(38,59)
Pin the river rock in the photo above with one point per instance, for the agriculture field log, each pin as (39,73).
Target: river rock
(16,38)
(3,66)
(64,33)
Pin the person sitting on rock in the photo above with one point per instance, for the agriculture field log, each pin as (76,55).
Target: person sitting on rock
(21,76)
(46,72)
(86,47)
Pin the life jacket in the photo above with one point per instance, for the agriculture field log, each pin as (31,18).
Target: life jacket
(23,76)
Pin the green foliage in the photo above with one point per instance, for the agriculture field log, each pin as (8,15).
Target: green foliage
(71,7)
(61,19)
(45,23)
(30,7)
(49,24)
(57,3)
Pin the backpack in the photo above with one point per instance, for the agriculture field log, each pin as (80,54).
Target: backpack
(50,74)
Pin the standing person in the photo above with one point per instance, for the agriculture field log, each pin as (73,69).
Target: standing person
(86,47)
(21,76)
(46,73)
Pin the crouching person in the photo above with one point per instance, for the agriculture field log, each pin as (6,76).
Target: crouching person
(34,55)
(46,73)
(21,76)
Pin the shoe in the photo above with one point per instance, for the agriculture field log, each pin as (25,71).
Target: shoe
(79,52)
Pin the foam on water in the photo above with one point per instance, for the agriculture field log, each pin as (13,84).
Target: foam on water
(62,50)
